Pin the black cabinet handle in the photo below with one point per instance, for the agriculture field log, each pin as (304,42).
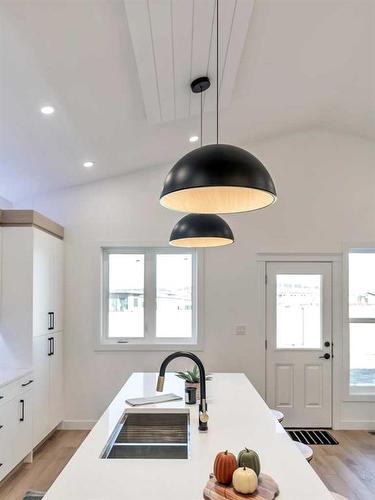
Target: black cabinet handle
(22,401)
(50,324)
(1,397)
(49,346)
(27,383)
(1,426)
(53,346)
(53,321)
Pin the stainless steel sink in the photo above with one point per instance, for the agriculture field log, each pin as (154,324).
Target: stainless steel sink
(150,434)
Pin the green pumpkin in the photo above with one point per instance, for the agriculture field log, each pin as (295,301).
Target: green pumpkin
(249,458)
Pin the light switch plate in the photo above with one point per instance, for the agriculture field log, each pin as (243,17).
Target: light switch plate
(240,330)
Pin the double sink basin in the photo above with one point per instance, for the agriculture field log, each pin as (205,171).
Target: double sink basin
(150,434)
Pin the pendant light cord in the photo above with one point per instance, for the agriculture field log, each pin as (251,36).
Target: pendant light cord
(217,71)
(201,119)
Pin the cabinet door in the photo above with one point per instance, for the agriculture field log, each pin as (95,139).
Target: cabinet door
(56,385)
(6,447)
(41,282)
(22,415)
(41,361)
(56,282)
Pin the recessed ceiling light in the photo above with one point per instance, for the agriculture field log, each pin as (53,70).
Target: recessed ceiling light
(47,110)
(88,164)
(193,138)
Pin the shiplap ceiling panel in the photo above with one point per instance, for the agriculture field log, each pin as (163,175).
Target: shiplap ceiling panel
(174,41)
(182,44)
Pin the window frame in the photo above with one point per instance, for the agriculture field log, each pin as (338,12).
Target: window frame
(149,341)
(353,393)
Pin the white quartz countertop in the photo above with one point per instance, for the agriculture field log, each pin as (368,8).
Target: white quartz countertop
(238,418)
(8,375)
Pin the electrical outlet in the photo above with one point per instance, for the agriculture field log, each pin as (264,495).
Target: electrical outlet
(240,330)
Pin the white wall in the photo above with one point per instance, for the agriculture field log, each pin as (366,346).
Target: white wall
(326,188)
(4,203)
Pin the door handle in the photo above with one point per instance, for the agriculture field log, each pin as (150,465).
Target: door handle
(325,356)
(22,401)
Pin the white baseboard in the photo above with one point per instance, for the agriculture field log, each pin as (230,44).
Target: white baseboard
(356,425)
(77,425)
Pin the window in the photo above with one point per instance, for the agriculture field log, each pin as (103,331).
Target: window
(149,296)
(362,321)
(299,311)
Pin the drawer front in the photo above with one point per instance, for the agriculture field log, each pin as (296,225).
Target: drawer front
(7,392)
(25,384)
(6,433)
(15,388)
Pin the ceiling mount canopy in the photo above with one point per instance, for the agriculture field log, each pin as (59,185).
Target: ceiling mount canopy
(217,178)
(201,230)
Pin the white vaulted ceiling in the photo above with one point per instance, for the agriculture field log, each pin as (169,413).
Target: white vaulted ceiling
(174,42)
(286,65)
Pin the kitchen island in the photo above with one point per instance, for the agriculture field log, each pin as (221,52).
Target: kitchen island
(238,418)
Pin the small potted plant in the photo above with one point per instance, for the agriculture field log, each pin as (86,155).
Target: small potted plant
(192,379)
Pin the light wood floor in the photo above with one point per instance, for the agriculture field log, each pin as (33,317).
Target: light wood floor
(49,460)
(348,469)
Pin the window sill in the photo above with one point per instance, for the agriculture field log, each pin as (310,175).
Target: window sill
(360,394)
(112,346)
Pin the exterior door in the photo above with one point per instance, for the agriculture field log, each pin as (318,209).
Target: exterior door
(299,342)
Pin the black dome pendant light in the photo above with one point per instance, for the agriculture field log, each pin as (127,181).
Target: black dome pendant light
(218,178)
(201,230)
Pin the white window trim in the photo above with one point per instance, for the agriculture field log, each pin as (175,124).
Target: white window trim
(149,342)
(356,393)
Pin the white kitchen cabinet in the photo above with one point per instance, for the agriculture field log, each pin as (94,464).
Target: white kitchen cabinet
(22,418)
(6,448)
(56,381)
(41,347)
(41,282)
(56,283)
(31,316)
(47,283)
(16,420)
(48,375)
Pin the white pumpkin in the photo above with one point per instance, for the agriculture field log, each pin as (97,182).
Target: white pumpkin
(245,480)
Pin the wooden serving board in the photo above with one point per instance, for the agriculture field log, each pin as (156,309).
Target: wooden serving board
(267,490)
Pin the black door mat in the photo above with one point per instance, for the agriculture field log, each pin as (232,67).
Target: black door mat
(311,436)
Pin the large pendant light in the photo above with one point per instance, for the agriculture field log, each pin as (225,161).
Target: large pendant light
(218,178)
(201,230)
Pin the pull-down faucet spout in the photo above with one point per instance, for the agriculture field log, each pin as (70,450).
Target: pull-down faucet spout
(203,417)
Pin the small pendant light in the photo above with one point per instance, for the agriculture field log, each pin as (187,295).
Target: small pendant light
(201,230)
(218,178)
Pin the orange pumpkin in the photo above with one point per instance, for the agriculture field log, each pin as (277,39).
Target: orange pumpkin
(224,466)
